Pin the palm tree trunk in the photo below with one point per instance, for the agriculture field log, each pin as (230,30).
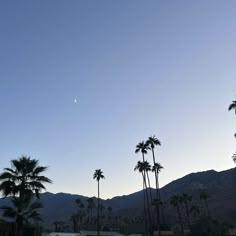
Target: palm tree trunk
(157,195)
(180,219)
(98,225)
(150,195)
(144,205)
(187,214)
(148,205)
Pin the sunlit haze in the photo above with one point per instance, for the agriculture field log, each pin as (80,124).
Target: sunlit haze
(83,82)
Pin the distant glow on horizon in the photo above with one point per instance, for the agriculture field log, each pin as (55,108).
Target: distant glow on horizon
(120,71)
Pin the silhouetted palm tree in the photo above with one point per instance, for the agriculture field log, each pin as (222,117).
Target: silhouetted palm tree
(80,213)
(142,147)
(28,215)
(141,169)
(157,169)
(152,142)
(74,218)
(175,201)
(109,212)
(22,180)
(186,199)
(232,106)
(147,167)
(195,211)
(91,205)
(98,174)
(204,197)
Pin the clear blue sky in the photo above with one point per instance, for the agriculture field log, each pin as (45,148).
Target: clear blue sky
(137,68)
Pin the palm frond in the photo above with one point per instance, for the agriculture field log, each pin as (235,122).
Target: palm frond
(234,157)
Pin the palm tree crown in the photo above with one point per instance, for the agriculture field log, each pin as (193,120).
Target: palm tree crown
(153,141)
(98,174)
(157,167)
(232,106)
(24,178)
(142,147)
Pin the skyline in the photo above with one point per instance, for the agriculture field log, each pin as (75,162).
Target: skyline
(135,69)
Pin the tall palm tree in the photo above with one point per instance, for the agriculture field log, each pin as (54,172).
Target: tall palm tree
(22,181)
(175,202)
(152,142)
(157,167)
(142,168)
(98,174)
(147,167)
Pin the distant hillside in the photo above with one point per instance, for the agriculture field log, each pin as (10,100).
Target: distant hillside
(221,187)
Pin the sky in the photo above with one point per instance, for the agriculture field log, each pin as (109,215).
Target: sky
(136,68)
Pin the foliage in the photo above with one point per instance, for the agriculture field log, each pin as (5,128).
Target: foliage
(24,178)
(29,210)
(207,226)
(22,181)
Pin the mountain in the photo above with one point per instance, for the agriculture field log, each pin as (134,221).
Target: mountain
(220,186)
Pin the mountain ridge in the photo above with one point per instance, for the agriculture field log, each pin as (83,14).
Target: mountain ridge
(220,186)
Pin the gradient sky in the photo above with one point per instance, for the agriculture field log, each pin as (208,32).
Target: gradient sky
(137,68)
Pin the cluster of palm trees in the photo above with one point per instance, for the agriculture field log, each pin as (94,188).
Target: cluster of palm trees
(232,106)
(144,167)
(23,182)
(187,211)
(84,217)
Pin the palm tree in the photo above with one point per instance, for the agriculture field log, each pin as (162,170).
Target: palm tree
(157,167)
(74,219)
(80,212)
(90,207)
(142,147)
(232,106)
(140,168)
(22,181)
(98,174)
(24,178)
(28,214)
(109,212)
(204,196)
(174,201)
(195,211)
(186,199)
(152,142)
(147,167)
